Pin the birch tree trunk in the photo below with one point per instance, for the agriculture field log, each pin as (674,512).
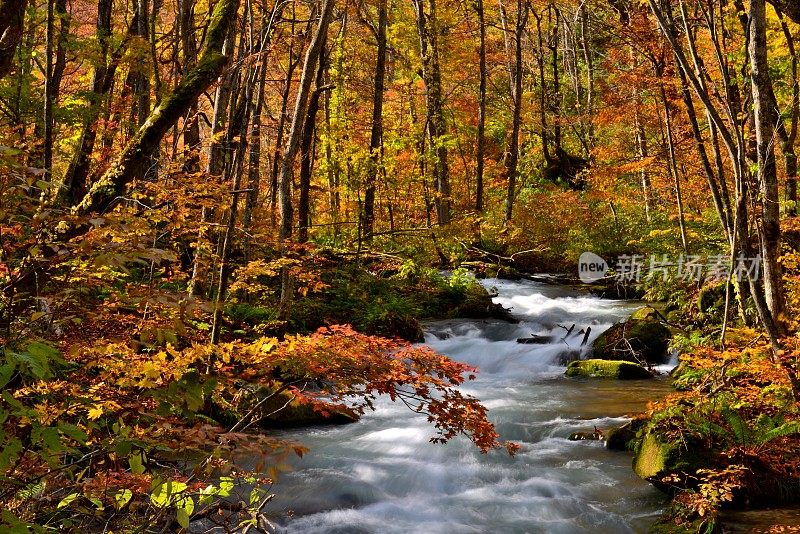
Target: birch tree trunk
(765,121)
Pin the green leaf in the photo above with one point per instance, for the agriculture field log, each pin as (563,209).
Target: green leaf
(207,495)
(52,440)
(256,495)
(183,517)
(12,525)
(136,461)
(164,494)
(72,431)
(122,497)
(738,425)
(67,500)
(9,453)
(187,503)
(225,486)
(786,429)
(6,372)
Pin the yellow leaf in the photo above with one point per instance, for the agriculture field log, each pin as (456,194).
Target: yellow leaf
(95,413)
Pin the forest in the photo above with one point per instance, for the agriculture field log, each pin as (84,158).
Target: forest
(235,232)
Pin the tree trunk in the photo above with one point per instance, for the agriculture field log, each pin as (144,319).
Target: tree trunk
(429,32)
(74,186)
(276,160)
(588,59)
(788,137)
(765,120)
(128,165)
(376,134)
(11,24)
(512,156)
(298,120)
(481,141)
(191,129)
(307,152)
(673,164)
(48,90)
(254,159)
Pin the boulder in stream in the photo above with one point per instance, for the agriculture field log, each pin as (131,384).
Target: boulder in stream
(623,438)
(586,436)
(620,369)
(284,411)
(635,340)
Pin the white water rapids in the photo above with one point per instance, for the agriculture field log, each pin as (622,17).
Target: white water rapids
(381,475)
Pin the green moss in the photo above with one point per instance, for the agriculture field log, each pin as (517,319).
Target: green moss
(607,369)
(646,313)
(652,458)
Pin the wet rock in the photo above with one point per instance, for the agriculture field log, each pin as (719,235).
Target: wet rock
(568,356)
(404,326)
(621,438)
(635,340)
(586,436)
(622,370)
(441,335)
(536,340)
(657,457)
(478,304)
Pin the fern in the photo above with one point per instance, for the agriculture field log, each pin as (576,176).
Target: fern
(786,429)
(739,426)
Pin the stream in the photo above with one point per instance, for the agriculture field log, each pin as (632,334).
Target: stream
(381,475)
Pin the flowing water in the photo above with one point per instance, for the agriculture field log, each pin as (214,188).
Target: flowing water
(381,475)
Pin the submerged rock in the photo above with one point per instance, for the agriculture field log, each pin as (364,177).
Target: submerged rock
(635,340)
(536,340)
(586,436)
(568,356)
(620,369)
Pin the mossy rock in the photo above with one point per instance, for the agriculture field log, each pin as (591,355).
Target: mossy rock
(646,313)
(668,524)
(635,340)
(653,458)
(394,324)
(478,304)
(624,438)
(620,438)
(282,411)
(622,370)
(657,457)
